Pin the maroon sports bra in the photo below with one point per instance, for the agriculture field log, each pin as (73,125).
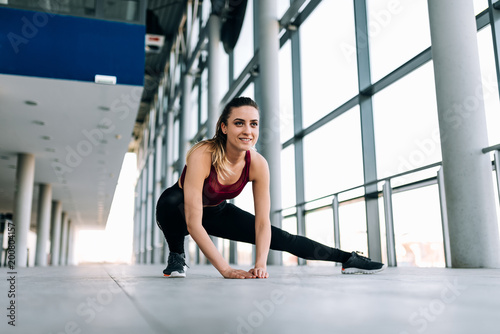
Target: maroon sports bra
(215,193)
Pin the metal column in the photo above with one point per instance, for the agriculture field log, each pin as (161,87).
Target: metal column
(150,224)
(25,176)
(299,143)
(462,125)
(137,222)
(367,132)
(55,232)
(496,156)
(71,244)
(444,218)
(336,221)
(213,73)
(157,234)
(64,239)
(270,141)
(143,242)
(301,229)
(389,225)
(185,120)
(43,224)
(184,138)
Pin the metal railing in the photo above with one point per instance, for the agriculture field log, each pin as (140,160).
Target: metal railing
(299,210)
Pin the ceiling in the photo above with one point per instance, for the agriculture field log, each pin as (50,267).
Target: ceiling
(79,131)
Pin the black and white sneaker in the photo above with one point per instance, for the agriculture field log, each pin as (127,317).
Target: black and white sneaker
(176,265)
(358,264)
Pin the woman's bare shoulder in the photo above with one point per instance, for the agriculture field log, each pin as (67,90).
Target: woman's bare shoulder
(201,150)
(200,158)
(257,157)
(258,165)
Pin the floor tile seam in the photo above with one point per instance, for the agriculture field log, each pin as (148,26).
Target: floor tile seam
(153,323)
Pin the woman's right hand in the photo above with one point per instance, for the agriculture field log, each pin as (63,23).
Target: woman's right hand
(236,273)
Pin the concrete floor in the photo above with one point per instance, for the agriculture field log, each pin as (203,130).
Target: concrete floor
(138,299)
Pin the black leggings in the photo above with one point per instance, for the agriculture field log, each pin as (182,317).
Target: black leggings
(228,221)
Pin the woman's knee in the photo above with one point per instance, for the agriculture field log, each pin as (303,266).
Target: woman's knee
(280,239)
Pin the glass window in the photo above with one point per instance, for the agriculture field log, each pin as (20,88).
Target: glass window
(176,140)
(127,10)
(245,254)
(223,75)
(406,124)
(193,121)
(352,221)
(480,5)
(243,51)
(224,247)
(283,5)
(490,84)
(193,250)
(195,33)
(319,227)
(204,96)
(418,233)
(332,156)
(206,9)
(245,202)
(286,93)
(397,32)
(329,71)
(77,8)
(288,177)
(249,91)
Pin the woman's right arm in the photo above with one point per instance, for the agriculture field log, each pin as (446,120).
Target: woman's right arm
(199,164)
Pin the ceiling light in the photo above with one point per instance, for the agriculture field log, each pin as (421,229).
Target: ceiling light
(103,108)
(39,122)
(46,137)
(30,103)
(105,79)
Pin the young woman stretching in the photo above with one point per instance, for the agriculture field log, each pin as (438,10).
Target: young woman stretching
(216,170)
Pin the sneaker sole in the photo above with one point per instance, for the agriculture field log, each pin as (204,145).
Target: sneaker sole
(362,271)
(175,274)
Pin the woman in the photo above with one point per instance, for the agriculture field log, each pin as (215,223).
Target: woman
(216,170)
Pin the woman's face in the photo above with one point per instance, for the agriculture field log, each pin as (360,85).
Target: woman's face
(242,128)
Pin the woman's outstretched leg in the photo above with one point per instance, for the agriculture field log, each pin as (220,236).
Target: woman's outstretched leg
(230,222)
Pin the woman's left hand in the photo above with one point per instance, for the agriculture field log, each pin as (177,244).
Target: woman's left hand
(259,272)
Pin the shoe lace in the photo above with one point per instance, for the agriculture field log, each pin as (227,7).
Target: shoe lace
(364,258)
(177,259)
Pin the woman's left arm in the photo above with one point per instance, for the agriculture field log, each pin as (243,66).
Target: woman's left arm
(262,203)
